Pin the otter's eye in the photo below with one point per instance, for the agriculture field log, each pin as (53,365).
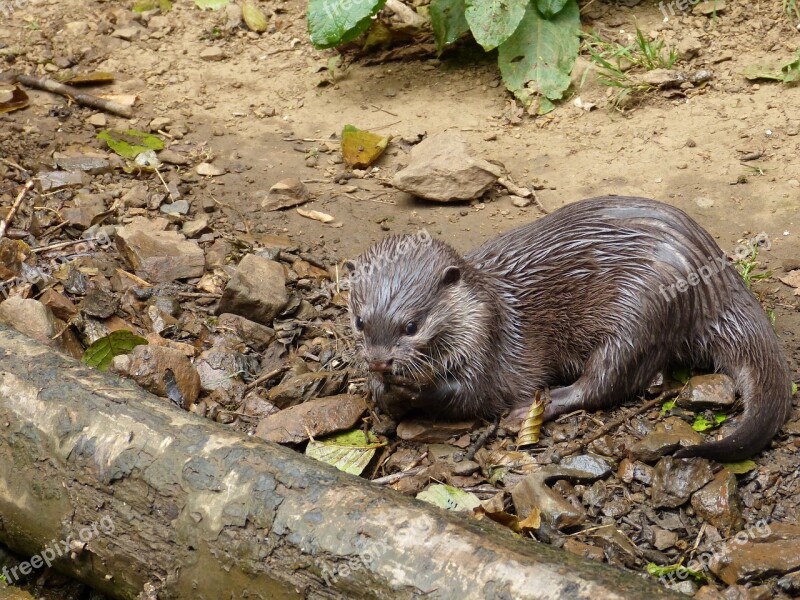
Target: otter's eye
(411,328)
(359,323)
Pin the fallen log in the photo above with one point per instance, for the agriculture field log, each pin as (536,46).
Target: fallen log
(120,489)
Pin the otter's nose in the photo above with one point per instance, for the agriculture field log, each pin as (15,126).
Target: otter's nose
(380,366)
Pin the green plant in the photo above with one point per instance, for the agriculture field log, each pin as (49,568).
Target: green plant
(746,266)
(791,9)
(618,65)
(537,41)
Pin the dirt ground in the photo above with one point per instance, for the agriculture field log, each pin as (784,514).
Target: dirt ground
(261,113)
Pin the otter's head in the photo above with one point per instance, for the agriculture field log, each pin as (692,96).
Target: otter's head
(408,298)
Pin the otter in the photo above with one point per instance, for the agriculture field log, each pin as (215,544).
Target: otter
(597,297)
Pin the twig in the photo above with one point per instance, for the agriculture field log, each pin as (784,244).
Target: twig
(13,210)
(479,443)
(385,126)
(580,444)
(58,245)
(198,295)
(263,378)
(388,112)
(390,479)
(11,163)
(52,86)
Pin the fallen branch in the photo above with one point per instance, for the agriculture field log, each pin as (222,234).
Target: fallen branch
(197,510)
(82,98)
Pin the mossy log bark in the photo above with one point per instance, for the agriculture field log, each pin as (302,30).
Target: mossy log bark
(205,513)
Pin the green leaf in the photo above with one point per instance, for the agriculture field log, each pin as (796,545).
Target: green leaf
(349,452)
(794,388)
(549,8)
(448,497)
(211,4)
(102,352)
(448,21)
(492,22)
(668,406)
(130,143)
(741,467)
(331,22)
(666,570)
(542,52)
(701,423)
(787,73)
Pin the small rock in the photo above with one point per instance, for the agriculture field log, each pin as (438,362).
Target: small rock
(256,291)
(192,229)
(587,463)
(663,78)
(135,197)
(212,54)
(51,181)
(465,468)
(158,124)
(674,480)
(77,28)
(710,8)
(217,255)
(689,47)
(127,33)
(159,256)
(441,168)
(179,207)
(630,471)
(286,194)
(663,539)
(98,120)
(316,417)
(296,389)
(719,503)
(714,391)
(233,16)
(173,158)
(218,368)
(667,436)
(99,303)
(255,335)
(766,549)
(520,202)
(63,308)
(209,170)
(165,372)
(86,208)
(30,317)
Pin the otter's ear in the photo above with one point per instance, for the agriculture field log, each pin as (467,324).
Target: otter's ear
(450,275)
(350,266)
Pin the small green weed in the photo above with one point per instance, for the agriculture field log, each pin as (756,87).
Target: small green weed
(616,63)
(747,265)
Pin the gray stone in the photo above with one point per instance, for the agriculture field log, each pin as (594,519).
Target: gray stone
(159,256)
(257,290)
(441,168)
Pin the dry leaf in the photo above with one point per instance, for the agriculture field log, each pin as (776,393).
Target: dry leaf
(361,148)
(315,214)
(532,424)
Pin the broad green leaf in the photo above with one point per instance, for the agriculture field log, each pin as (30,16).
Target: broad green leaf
(701,423)
(102,352)
(541,52)
(794,388)
(741,467)
(493,21)
(334,22)
(130,143)
(448,21)
(449,497)
(787,73)
(548,8)
(349,452)
(211,4)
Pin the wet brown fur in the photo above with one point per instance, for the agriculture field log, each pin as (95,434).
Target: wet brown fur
(576,298)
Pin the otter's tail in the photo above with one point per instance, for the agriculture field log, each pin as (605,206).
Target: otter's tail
(750,353)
